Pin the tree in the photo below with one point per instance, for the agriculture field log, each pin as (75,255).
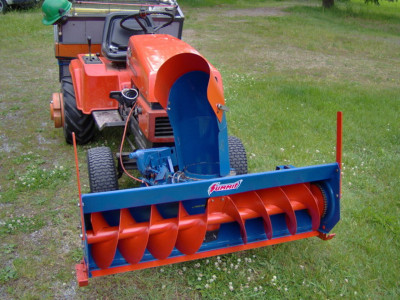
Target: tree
(328,3)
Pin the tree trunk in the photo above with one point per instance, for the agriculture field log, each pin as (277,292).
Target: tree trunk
(328,3)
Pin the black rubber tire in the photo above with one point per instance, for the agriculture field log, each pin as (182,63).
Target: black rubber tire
(101,169)
(3,7)
(237,155)
(74,119)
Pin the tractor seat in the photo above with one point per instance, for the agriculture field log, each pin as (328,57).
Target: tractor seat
(115,38)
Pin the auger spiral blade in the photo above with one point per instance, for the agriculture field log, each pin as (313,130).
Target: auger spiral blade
(132,235)
(134,245)
(253,202)
(191,236)
(275,198)
(163,234)
(105,241)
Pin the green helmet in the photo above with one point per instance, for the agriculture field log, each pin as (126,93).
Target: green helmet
(54,10)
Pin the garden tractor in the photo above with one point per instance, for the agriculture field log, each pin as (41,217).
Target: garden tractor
(195,198)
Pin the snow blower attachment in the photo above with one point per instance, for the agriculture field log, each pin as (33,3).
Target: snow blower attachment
(193,203)
(196,199)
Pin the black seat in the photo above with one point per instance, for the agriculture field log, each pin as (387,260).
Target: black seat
(115,38)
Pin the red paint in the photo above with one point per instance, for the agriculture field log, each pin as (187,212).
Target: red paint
(180,259)
(187,232)
(82,274)
(339,144)
(79,185)
(158,60)
(94,82)
(326,237)
(339,139)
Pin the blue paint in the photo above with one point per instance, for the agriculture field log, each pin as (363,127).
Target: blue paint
(142,196)
(200,141)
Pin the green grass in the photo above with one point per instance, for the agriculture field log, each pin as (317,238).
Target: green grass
(288,67)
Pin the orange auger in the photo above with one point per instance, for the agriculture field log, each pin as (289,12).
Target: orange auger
(153,226)
(131,233)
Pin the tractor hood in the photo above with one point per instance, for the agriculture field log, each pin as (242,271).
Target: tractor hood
(158,60)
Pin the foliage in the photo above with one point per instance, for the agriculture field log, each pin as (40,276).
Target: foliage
(14,225)
(376,2)
(7,273)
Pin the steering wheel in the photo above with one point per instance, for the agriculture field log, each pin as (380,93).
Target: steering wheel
(142,19)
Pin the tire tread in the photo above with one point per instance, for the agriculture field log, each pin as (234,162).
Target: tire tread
(237,155)
(101,168)
(74,119)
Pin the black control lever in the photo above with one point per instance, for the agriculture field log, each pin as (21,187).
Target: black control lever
(91,59)
(89,40)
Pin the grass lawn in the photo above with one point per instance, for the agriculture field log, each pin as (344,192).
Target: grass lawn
(288,67)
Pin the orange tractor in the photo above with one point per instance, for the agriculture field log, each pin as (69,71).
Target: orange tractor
(195,197)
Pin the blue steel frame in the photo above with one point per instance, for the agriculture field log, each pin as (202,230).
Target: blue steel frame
(144,196)
(327,176)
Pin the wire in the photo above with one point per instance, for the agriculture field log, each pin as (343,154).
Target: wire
(122,146)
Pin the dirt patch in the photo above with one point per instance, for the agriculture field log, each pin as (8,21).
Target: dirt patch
(255,12)
(189,35)
(6,146)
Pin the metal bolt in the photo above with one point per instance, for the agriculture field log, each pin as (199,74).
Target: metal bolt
(222,107)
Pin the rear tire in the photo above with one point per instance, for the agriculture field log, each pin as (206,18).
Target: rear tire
(102,171)
(74,119)
(3,6)
(237,155)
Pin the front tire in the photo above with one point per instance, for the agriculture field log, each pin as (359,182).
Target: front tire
(101,169)
(237,155)
(74,119)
